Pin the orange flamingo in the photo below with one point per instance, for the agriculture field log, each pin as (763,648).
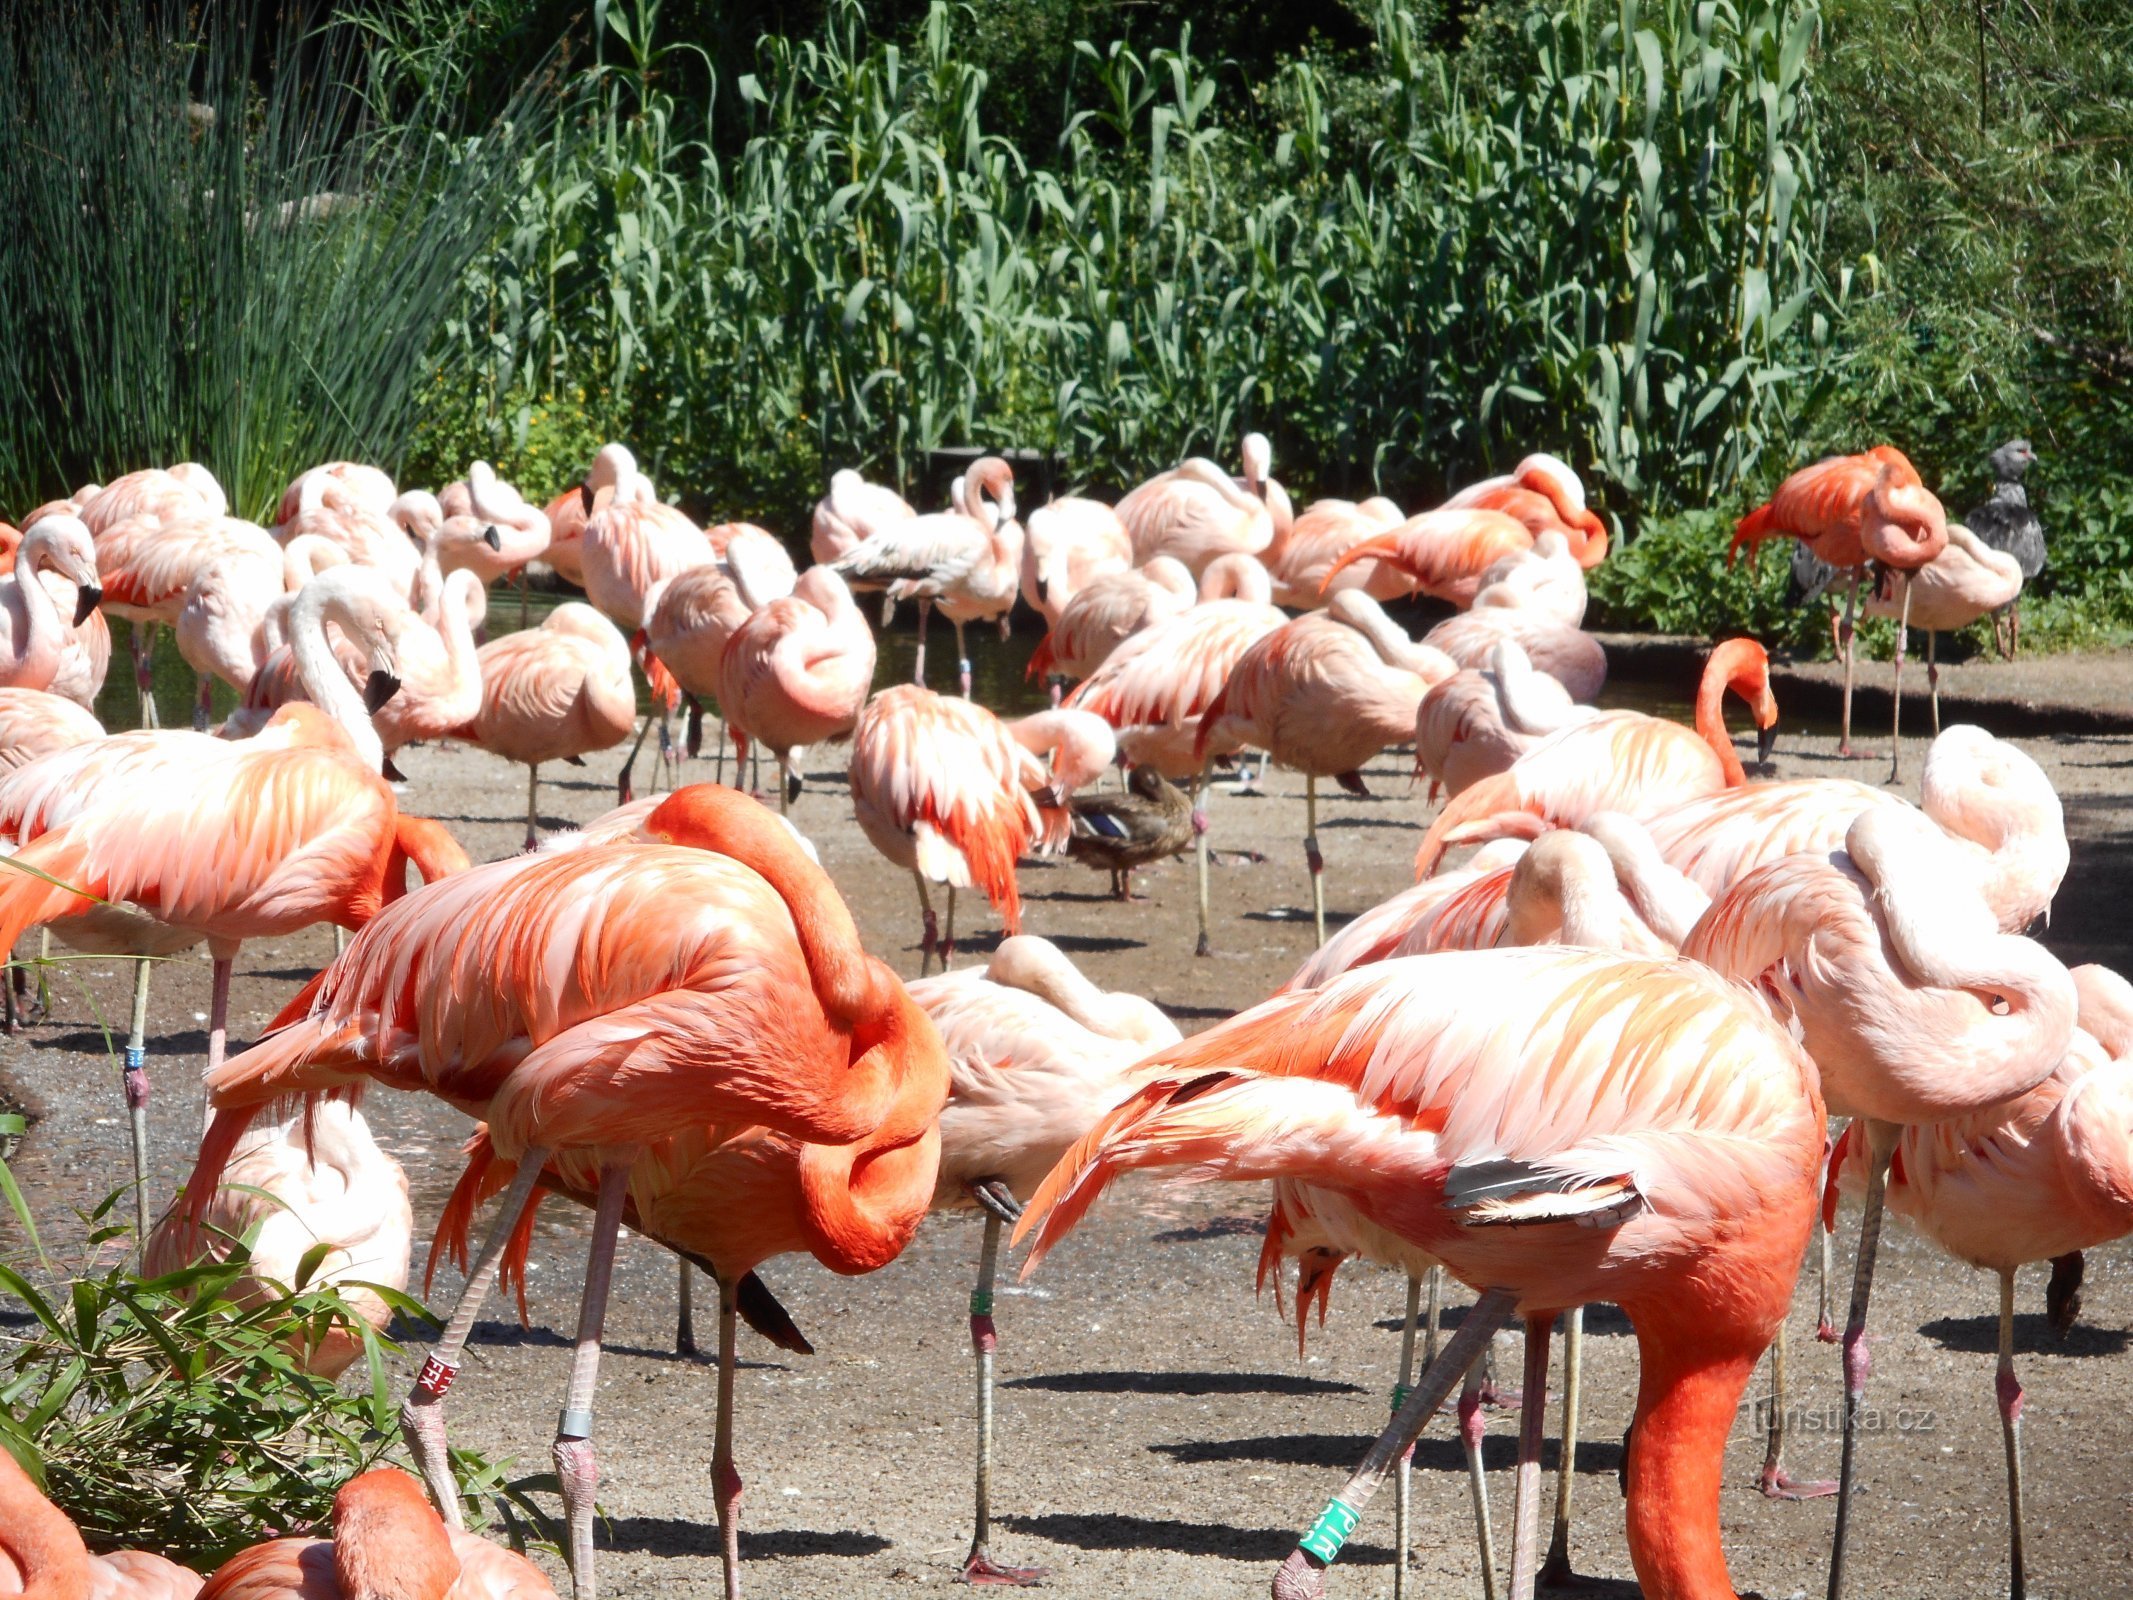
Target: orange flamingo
(1302,559)
(1442,553)
(1067,545)
(42,1554)
(1913,1004)
(1110,609)
(851,513)
(713,990)
(386,1541)
(943,788)
(1967,581)
(1197,512)
(797,671)
(558,692)
(1323,695)
(1618,761)
(1036,1055)
(1545,494)
(968,561)
(1557,1126)
(1849,510)
(2041,1178)
(1476,723)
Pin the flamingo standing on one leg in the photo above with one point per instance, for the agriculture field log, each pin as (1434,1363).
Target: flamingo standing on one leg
(1968,580)
(1557,1127)
(1036,1055)
(1913,1004)
(797,672)
(1849,510)
(713,991)
(42,1554)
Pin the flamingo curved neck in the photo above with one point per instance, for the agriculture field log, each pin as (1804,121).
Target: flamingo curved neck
(44,632)
(325,684)
(1711,721)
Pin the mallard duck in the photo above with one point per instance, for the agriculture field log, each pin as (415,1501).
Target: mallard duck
(1151,821)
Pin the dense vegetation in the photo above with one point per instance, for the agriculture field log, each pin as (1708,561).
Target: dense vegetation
(1684,243)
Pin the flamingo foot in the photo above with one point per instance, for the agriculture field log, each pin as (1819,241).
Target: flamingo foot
(1555,1574)
(979,1568)
(1778,1484)
(1301,1577)
(1499,1399)
(1826,1332)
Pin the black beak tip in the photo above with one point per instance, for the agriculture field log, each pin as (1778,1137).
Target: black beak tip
(1765,742)
(85,602)
(378,688)
(491,538)
(585,497)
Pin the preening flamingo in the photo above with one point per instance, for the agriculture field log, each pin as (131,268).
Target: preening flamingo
(148,561)
(382,539)
(42,1554)
(797,671)
(1036,1055)
(1112,608)
(349,482)
(361,603)
(1849,510)
(715,995)
(1156,685)
(187,490)
(1913,1004)
(1323,695)
(306,1181)
(211,839)
(687,623)
(1302,559)
(1619,761)
(500,534)
(851,513)
(943,789)
(2041,1178)
(1545,494)
(1476,723)
(613,468)
(1197,512)
(1557,1127)
(1536,598)
(558,692)
(386,1542)
(1962,584)
(235,611)
(1441,553)
(968,561)
(1067,544)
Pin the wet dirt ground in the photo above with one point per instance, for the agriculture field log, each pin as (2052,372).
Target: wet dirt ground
(1158,1431)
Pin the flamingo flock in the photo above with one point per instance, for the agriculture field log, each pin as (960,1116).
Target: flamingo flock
(1589,1055)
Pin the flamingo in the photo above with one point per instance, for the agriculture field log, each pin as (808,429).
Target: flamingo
(797,671)
(1442,553)
(2039,1178)
(1067,545)
(1036,1055)
(1197,512)
(234,613)
(305,1182)
(1325,530)
(1323,694)
(943,789)
(34,723)
(1968,580)
(1475,724)
(1155,687)
(210,839)
(1848,510)
(688,621)
(715,995)
(371,615)
(1537,598)
(1545,494)
(148,560)
(353,483)
(501,534)
(851,513)
(1110,609)
(968,561)
(1997,805)
(1619,761)
(33,633)
(613,467)
(558,692)
(1913,1004)
(1557,1126)
(380,539)
(386,1541)
(42,1554)
(186,490)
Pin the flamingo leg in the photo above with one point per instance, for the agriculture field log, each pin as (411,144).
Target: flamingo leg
(205,704)
(136,1083)
(1903,634)
(930,932)
(962,658)
(725,1477)
(422,1413)
(948,938)
(1436,1304)
(1532,1419)
(1933,675)
(1555,1571)
(979,1566)
(1403,1486)
(784,786)
(1312,858)
(44,983)
(533,804)
(1846,633)
(1200,798)
(2009,1390)
(1302,1575)
(141,639)
(1473,1428)
(1776,1483)
(1881,1145)
(685,1312)
(918,656)
(625,790)
(218,1015)
(576,1463)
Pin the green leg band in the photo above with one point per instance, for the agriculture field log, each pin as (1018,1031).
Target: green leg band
(1330,1531)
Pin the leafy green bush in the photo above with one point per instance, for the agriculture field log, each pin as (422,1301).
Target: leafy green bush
(161,1413)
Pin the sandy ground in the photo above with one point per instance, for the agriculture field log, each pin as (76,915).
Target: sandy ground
(1159,1432)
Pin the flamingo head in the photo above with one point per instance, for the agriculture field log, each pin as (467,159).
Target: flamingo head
(418,513)
(613,468)
(62,543)
(1905,525)
(1258,457)
(1743,666)
(989,475)
(202,483)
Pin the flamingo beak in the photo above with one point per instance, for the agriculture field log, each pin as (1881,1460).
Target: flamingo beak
(1765,741)
(585,496)
(379,688)
(491,538)
(85,602)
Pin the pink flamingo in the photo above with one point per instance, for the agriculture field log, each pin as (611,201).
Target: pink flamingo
(558,692)
(851,513)
(380,539)
(42,1554)
(1197,512)
(33,634)
(34,723)
(1967,581)
(796,672)
(714,1003)
(1110,609)
(1068,544)
(501,533)
(1913,1004)
(1848,510)
(1556,1126)
(1036,1055)
(352,483)
(1445,554)
(1475,724)
(1537,598)
(386,1541)
(1323,695)
(186,491)
(1545,494)
(148,562)
(686,628)
(1302,560)
(85,658)
(614,468)
(371,619)
(968,561)
(235,611)
(1618,761)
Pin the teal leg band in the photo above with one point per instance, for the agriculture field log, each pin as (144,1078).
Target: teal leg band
(1330,1531)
